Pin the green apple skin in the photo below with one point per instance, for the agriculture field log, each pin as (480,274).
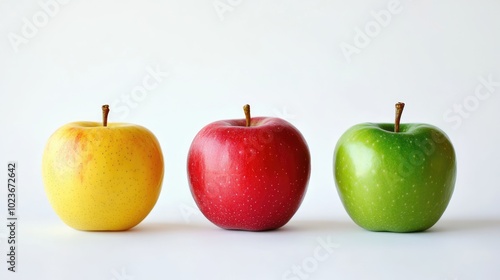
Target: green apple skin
(397,182)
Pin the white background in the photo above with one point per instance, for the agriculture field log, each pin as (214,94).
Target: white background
(285,58)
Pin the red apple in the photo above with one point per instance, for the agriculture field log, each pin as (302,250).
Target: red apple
(249,174)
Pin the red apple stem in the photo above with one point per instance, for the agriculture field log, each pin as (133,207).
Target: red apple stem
(246,109)
(105,112)
(399,111)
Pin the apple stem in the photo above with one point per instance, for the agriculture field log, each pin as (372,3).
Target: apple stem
(399,111)
(105,112)
(246,109)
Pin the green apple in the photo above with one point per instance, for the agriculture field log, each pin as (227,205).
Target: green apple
(395,177)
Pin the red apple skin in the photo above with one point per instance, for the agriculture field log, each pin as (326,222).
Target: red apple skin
(249,178)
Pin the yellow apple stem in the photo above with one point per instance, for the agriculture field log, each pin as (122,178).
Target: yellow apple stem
(105,112)
(246,109)
(399,111)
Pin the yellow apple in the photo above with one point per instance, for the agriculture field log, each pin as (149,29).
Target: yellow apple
(101,177)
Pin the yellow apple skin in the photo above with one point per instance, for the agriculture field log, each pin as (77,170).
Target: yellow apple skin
(102,178)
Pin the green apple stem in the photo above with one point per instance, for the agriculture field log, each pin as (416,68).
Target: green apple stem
(105,112)
(399,111)
(246,109)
